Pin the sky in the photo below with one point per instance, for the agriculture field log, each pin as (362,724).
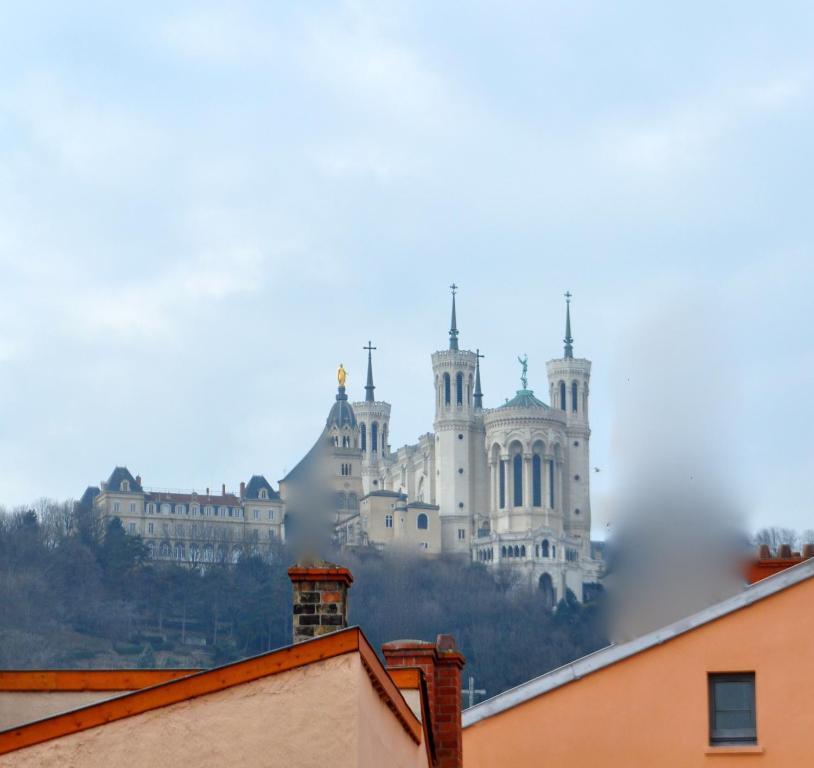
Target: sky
(204,208)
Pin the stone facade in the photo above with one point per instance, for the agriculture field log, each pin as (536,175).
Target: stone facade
(196,528)
(507,486)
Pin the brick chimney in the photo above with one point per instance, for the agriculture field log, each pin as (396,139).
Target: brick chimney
(441,663)
(223,489)
(242,489)
(320,599)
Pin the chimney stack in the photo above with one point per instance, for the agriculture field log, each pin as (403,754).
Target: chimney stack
(441,665)
(242,489)
(784,551)
(320,599)
(138,479)
(808,551)
(764,553)
(223,489)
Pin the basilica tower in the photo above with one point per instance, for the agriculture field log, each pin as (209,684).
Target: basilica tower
(569,379)
(461,470)
(374,428)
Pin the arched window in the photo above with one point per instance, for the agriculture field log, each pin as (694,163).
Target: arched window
(179,552)
(516,551)
(547,589)
(374,436)
(264,494)
(363,435)
(459,388)
(125,485)
(502,482)
(165,509)
(553,551)
(180,509)
(562,395)
(523,551)
(194,554)
(537,550)
(503,551)
(574,396)
(517,465)
(353,501)
(422,522)
(209,553)
(545,548)
(446,389)
(536,481)
(164,549)
(551,483)
(341,500)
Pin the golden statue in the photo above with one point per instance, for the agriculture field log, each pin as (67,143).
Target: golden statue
(341,375)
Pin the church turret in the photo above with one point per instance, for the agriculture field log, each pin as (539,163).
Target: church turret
(369,386)
(374,429)
(460,459)
(569,380)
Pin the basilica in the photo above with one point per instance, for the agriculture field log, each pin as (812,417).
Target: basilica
(508,486)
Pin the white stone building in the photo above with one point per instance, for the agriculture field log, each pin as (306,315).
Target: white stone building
(508,486)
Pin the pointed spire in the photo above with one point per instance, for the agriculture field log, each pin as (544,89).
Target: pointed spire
(369,386)
(569,341)
(478,393)
(453,330)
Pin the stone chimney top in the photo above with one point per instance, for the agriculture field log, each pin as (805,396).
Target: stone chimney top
(320,601)
(242,489)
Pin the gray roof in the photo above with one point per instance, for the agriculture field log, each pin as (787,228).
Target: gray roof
(614,653)
(114,482)
(341,413)
(524,399)
(254,486)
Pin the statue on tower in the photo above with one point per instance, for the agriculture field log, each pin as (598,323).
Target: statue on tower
(524,361)
(341,375)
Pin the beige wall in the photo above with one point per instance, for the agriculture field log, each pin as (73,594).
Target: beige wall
(326,713)
(652,709)
(18,707)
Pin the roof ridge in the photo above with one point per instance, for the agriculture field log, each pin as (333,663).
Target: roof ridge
(611,654)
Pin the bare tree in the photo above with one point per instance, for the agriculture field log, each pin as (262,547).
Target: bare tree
(775,536)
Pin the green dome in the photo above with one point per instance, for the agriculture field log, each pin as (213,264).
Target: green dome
(524,399)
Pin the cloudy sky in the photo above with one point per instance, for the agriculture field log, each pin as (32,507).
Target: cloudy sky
(204,210)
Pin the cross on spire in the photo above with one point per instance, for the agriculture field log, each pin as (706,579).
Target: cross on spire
(569,341)
(453,330)
(369,386)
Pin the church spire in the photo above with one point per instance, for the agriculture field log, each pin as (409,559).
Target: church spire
(569,341)
(478,393)
(369,386)
(453,330)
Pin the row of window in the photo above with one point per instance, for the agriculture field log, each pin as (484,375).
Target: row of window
(422,523)
(544,550)
(517,478)
(194,510)
(345,470)
(196,554)
(459,389)
(180,530)
(124,486)
(574,396)
(374,437)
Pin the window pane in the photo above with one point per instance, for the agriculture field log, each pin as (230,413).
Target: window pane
(734,695)
(733,720)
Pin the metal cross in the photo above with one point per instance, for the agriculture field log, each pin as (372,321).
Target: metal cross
(369,347)
(471,691)
(453,288)
(568,296)
(477,352)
